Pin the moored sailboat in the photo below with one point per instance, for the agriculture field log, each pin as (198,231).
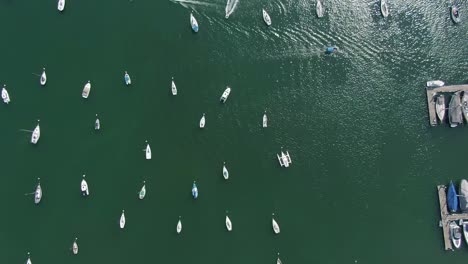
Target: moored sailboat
(275,225)
(84,187)
(193,23)
(228,223)
(38,192)
(173,87)
(122,220)
(194,190)
(440,107)
(179,226)
(266,17)
(202,121)
(225,171)
(5,95)
(86,90)
(43,78)
(452,198)
(142,192)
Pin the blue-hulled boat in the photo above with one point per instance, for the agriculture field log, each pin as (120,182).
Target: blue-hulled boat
(330,50)
(193,23)
(452,198)
(194,190)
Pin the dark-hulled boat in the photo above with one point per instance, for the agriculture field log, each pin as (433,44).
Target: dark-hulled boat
(455,111)
(452,198)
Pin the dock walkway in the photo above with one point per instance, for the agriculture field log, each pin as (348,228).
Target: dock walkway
(431,91)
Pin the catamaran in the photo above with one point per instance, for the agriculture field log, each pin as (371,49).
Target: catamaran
(61,5)
(84,187)
(142,192)
(228,223)
(36,134)
(43,78)
(148,151)
(284,159)
(75,247)
(194,190)
(179,226)
(202,121)
(384,8)
(266,17)
(440,107)
(38,192)
(122,220)
(319,9)
(225,94)
(455,234)
(97,123)
(225,171)
(173,87)
(275,225)
(86,90)
(265,120)
(127,79)
(5,95)
(193,23)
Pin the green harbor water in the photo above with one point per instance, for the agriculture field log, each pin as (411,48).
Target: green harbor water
(362,185)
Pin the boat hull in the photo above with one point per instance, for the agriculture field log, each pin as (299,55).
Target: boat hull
(453,14)
(86,90)
(225,95)
(384,8)
(319,9)
(266,17)
(61,5)
(440,107)
(193,23)
(36,135)
(455,111)
(464,103)
(452,198)
(465,231)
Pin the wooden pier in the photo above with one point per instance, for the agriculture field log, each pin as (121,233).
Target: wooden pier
(432,91)
(445,217)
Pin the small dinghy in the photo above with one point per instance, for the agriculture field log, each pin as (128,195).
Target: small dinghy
(228,223)
(265,120)
(61,5)
(193,23)
(455,13)
(225,94)
(36,134)
(331,50)
(127,79)
(452,198)
(435,83)
(225,172)
(179,226)
(29,259)
(464,103)
(455,110)
(266,17)
(278,260)
(319,9)
(284,159)
(202,121)
(275,225)
(464,224)
(5,95)
(122,220)
(43,78)
(142,192)
(440,107)
(148,151)
(38,192)
(84,187)
(173,87)
(455,234)
(194,190)
(75,247)
(384,8)
(97,123)
(86,90)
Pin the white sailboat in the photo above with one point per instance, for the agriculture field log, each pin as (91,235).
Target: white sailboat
(266,17)
(225,171)
(28,261)
(179,226)
(5,95)
(38,192)
(36,134)
(173,87)
(97,123)
(84,187)
(61,5)
(202,121)
(43,78)
(127,79)
(265,120)
(75,247)
(147,151)
(228,223)
(122,220)
(142,192)
(86,90)
(275,225)
(225,94)
(278,260)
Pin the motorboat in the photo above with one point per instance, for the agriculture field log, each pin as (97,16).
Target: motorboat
(228,223)
(278,260)
(284,159)
(225,95)
(86,90)
(464,103)
(127,79)
(61,5)
(142,192)
(455,234)
(455,13)
(38,192)
(266,17)
(36,134)
(122,220)
(331,50)
(194,190)
(5,95)
(84,187)
(463,196)
(28,261)
(202,121)
(193,23)
(97,123)
(75,247)
(179,226)
(265,120)
(455,111)
(319,9)
(43,78)
(384,8)
(173,87)
(440,107)
(275,225)
(435,83)
(452,198)
(464,225)
(148,151)
(225,171)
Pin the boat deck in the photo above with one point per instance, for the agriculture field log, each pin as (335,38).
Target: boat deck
(445,217)
(430,91)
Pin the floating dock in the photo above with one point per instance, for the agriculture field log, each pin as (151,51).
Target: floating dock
(432,91)
(445,217)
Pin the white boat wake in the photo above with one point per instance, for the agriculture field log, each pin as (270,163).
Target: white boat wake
(230,7)
(184,3)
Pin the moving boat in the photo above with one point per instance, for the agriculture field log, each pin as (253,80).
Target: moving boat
(61,5)
(384,8)
(319,9)
(278,260)
(464,103)
(84,187)
(148,151)
(455,111)
(266,17)
(75,247)
(5,95)
(142,192)
(193,23)
(275,225)
(435,83)
(86,90)
(43,79)
(225,94)
(440,107)
(97,123)
(179,226)
(194,190)
(122,219)
(29,259)
(284,159)
(455,13)
(464,224)
(202,121)
(127,79)
(265,120)
(452,198)
(225,171)
(463,198)
(36,134)
(38,192)
(228,223)
(173,87)
(455,234)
